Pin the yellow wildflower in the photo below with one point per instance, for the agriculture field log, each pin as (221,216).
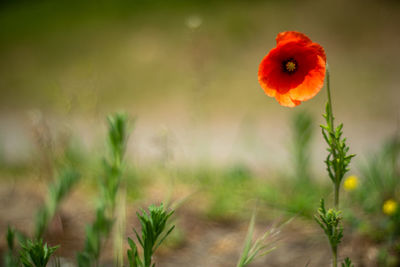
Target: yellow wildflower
(350,183)
(389,207)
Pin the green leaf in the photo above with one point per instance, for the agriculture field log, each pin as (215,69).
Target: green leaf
(35,253)
(153,224)
(109,182)
(347,263)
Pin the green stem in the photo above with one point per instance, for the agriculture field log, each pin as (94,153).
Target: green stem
(332,126)
(328,87)
(337,188)
(334,252)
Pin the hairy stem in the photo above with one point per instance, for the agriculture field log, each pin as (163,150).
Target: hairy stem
(337,188)
(334,252)
(331,121)
(328,88)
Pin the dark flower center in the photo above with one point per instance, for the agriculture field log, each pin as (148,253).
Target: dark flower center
(289,65)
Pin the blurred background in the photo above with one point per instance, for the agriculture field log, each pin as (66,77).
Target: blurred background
(204,129)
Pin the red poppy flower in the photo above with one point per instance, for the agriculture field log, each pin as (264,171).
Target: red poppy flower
(294,70)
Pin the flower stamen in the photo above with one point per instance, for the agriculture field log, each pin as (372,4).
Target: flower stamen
(289,65)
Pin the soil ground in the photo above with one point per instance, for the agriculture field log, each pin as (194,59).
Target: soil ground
(202,242)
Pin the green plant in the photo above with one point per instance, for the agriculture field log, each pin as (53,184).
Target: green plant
(35,253)
(378,196)
(330,222)
(10,257)
(302,131)
(100,229)
(57,191)
(347,263)
(338,160)
(154,225)
(337,164)
(261,247)
(380,176)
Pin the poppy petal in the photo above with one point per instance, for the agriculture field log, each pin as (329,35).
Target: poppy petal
(312,83)
(320,50)
(286,100)
(268,91)
(292,36)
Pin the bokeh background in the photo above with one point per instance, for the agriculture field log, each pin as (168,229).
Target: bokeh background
(187,71)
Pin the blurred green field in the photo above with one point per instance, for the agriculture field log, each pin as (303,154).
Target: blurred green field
(83,55)
(205,134)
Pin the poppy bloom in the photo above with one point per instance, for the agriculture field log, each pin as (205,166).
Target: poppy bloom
(294,70)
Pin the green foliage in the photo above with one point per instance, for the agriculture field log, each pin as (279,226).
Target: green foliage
(154,225)
(10,238)
(109,185)
(303,196)
(227,188)
(10,259)
(388,258)
(381,176)
(337,164)
(74,154)
(117,136)
(35,253)
(338,160)
(380,182)
(347,263)
(261,247)
(226,199)
(330,222)
(57,191)
(302,131)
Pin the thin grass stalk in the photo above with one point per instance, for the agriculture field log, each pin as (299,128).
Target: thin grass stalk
(119,234)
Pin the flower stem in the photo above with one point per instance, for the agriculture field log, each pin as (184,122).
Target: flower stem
(334,252)
(328,87)
(332,126)
(337,188)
